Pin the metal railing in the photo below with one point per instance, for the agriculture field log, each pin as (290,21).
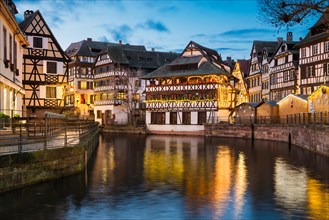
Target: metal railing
(31,134)
(319,118)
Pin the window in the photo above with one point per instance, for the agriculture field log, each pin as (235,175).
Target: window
(303,52)
(315,49)
(82,99)
(286,59)
(4,44)
(83,71)
(99,114)
(82,84)
(121,96)
(15,54)
(149,60)
(285,76)
(51,92)
(10,47)
(157,118)
(186,118)
(37,42)
(173,118)
(326,46)
(201,118)
(51,67)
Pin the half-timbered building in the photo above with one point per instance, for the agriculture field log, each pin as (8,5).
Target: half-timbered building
(45,67)
(267,55)
(254,79)
(80,92)
(284,69)
(12,41)
(190,91)
(314,56)
(240,71)
(118,89)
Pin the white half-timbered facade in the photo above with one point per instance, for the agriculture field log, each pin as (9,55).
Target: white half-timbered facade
(12,41)
(284,71)
(192,90)
(255,79)
(118,90)
(45,72)
(314,57)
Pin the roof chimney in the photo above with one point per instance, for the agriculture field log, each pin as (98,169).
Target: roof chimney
(120,41)
(89,39)
(28,13)
(152,49)
(289,37)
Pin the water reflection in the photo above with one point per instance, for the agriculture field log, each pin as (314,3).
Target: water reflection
(181,177)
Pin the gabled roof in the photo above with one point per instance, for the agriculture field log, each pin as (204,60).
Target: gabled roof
(321,24)
(212,64)
(27,22)
(291,47)
(244,66)
(251,104)
(300,96)
(261,45)
(270,102)
(136,56)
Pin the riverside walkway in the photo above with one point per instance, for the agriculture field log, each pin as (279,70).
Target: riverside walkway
(53,131)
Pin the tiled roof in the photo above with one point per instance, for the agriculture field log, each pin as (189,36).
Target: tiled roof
(186,60)
(85,48)
(244,66)
(204,69)
(212,65)
(25,23)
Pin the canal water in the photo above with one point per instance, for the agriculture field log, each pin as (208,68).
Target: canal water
(182,177)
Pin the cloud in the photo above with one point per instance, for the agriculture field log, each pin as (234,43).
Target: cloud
(249,32)
(55,20)
(120,33)
(103,39)
(153,25)
(229,49)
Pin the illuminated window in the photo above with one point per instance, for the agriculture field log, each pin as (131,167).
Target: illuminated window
(121,95)
(82,85)
(50,92)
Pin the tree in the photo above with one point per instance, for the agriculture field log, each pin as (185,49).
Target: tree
(287,13)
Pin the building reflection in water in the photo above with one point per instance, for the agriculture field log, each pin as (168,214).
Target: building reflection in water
(208,175)
(295,189)
(240,185)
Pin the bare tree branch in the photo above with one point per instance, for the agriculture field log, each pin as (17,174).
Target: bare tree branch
(280,13)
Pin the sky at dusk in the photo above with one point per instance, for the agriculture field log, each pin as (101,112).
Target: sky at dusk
(226,26)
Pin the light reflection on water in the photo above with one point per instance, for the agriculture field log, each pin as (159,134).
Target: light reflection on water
(183,177)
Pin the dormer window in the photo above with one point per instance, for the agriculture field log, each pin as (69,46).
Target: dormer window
(140,58)
(149,60)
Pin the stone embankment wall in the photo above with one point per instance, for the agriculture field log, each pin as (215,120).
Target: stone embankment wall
(22,169)
(314,138)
